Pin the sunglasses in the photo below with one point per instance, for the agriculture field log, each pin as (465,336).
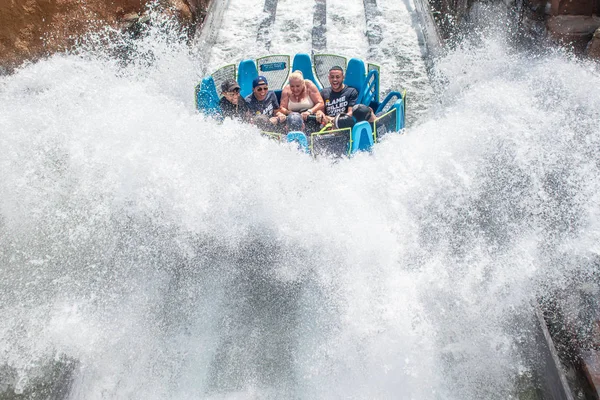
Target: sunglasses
(262,89)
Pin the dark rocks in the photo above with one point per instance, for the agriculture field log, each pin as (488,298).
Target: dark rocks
(574,7)
(591,366)
(593,49)
(33,29)
(573,30)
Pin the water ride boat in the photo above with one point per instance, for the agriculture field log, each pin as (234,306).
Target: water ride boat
(364,77)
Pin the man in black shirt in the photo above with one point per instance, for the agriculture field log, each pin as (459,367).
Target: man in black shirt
(232,104)
(338,98)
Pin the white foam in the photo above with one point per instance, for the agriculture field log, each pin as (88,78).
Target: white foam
(175,257)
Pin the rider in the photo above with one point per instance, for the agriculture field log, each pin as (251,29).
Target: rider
(361,112)
(338,98)
(264,101)
(343,120)
(232,104)
(294,122)
(300,95)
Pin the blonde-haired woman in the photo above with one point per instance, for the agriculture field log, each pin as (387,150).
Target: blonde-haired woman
(301,95)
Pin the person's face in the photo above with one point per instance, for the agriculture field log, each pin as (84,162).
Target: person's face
(260,92)
(336,80)
(297,86)
(232,96)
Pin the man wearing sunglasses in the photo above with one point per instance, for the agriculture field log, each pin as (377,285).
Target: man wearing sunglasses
(264,101)
(232,104)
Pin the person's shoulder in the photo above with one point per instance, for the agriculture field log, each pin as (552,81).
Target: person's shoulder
(351,93)
(273,99)
(242,102)
(248,98)
(326,91)
(224,103)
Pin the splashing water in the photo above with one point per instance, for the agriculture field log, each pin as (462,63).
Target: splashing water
(168,256)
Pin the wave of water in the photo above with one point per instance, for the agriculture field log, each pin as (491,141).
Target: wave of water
(164,255)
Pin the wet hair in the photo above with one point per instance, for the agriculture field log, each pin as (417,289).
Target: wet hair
(344,120)
(294,122)
(361,112)
(263,122)
(336,68)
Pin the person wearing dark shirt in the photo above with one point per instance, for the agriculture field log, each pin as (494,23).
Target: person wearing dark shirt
(232,104)
(361,112)
(294,122)
(343,120)
(264,101)
(339,98)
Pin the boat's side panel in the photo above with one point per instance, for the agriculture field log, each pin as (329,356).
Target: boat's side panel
(384,124)
(300,139)
(400,105)
(334,142)
(362,137)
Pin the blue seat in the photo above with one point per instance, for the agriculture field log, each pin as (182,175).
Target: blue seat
(362,137)
(247,72)
(355,73)
(207,99)
(300,139)
(302,63)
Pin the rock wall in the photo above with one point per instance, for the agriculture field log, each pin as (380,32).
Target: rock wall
(571,23)
(574,23)
(30,29)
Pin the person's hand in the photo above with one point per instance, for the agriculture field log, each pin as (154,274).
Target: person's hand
(305,115)
(274,120)
(281,118)
(323,118)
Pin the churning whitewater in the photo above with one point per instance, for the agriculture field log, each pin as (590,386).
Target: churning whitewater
(148,252)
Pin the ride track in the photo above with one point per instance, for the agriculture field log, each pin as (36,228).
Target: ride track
(208,34)
(319,30)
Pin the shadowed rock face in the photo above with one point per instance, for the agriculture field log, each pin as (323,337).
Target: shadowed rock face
(30,29)
(573,30)
(574,7)
(593,49)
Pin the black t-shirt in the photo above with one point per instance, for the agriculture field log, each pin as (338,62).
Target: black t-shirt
(266,107)
(338,102)
(229,109)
